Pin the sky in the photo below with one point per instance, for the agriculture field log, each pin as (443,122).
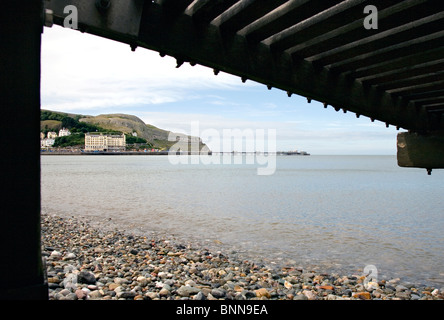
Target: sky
(90,75)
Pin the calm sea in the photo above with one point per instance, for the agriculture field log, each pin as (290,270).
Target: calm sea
(330,213)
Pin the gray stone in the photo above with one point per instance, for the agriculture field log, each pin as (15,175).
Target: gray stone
(152,295)
(164,292)
(86,277)
(169,282)
(166,287)
(96,294)
(69,256)
(199,296)
(249,294)
(65,292)
(300,297)
(186,291)
(126,295)
(53,285)
(401,288)
(218,293)
(71,296)
(120,281)
(55,254)
(403,295)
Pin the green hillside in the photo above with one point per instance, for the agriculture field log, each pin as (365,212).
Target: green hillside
(147,135)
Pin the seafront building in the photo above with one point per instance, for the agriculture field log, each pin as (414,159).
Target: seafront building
(104,142)
(46,142)
(64,132)
(49,141)
(51,135)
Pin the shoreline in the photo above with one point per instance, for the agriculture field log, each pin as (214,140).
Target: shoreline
(90,263)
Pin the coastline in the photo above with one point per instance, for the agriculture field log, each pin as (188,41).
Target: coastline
(89,263)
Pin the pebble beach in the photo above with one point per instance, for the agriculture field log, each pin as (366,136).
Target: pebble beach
(89,263)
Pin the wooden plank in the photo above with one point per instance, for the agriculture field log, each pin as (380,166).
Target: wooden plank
(413,81)
(258,63)
(283,17)
(403,73)
(204,11)
(387,53)
(434,106)
(388,18)
(428,101)
(335,17)
(402,62)
(426,95)
(243,13)
(403,34)
(418,88)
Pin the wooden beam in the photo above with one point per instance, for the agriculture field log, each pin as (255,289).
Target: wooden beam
(426,95)
(315,25)
(428,101)
(418,88)
(413,32)
(204,11)
(207,47)
(388,18)
(318,24)
(243,13)
(398,63)
(434,106)
(387,53)
(412,81)
(403,73)
(283,17)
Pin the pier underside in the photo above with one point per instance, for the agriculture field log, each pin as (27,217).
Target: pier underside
(383,59)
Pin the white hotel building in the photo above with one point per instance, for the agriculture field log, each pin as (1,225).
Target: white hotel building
(104,142)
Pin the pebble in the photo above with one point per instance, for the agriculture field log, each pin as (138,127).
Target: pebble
(262,292)
(86,277)
(362,295)
(89,263)
(309,294)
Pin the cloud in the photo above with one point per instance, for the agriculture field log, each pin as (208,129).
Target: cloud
(82,71)
(86,74)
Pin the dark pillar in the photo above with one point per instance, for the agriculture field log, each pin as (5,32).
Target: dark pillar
(21,270)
